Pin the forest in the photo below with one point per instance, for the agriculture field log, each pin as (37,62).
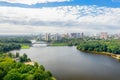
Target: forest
(12,70)
(66,42)
(8,44)
(111,46)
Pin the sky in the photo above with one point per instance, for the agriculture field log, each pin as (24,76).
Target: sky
(59,16)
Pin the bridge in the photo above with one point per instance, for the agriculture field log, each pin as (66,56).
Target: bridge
(38,43)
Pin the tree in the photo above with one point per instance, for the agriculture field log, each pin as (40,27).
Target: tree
(10,55)
(24,58)
(38,76)
(25,55)
(36,64)
(42,67)
(2,73)
(17,54)
(27,76)
(13,76)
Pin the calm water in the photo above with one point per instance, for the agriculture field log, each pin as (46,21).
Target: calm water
(67,63)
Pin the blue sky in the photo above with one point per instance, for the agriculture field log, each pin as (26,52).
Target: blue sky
(105,3)
(59,16)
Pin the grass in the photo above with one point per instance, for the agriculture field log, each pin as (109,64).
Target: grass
(58,44)
(25,46)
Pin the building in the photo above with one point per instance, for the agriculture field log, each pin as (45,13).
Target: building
(103,35)
(82,35)
(77,35)
(57,37)
(47,36)
(65,36)
(117,36)
(73,35)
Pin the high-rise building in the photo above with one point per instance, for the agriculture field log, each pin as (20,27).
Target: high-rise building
(117,36)
(73,35)
(77,35)
(47,36)
(103,35)
(65,35)
(57,36)
(82,35)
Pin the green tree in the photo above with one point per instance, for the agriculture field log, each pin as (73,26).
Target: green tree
(42,67)
(13,76)
(10,55)
(36,64)
(17,54)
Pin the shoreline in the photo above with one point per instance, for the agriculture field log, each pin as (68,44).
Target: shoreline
(115,56)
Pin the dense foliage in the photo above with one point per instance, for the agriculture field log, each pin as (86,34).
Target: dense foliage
(18,58)
(5,47)
(14,40)
(12,70)
(112,46)
(66,42)
(7,44)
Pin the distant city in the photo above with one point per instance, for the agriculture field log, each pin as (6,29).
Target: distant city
(58,36)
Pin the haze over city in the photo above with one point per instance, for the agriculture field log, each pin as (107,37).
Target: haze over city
(52,16)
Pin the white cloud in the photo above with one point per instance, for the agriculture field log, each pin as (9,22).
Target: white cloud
(30,2)
(62,19)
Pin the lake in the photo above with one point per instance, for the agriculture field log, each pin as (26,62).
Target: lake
(67,63)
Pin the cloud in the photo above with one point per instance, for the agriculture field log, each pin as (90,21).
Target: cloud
(62,19)
(30,2)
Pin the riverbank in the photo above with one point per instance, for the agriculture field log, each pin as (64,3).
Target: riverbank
(29,63)
(58,44)
(116,56)
(25,46)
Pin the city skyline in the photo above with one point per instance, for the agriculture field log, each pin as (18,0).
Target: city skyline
(59,16)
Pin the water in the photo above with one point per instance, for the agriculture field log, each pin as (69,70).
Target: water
(67,63)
